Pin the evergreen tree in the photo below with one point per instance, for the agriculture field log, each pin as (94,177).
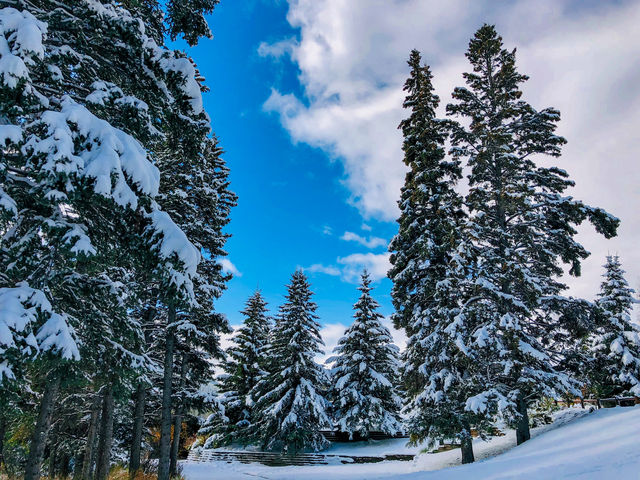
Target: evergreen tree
(521,230)
(244,367)
(199,199)
(429,265)
(87,97)
(615,342)
(290,405)
(366,365)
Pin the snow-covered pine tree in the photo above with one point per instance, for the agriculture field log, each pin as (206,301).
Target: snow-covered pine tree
(366,366)
(428,261)
(430,208)
(197,196)
(290,404)
(77,128)
(614,344)
(522,229)
(244,366)
(63,160)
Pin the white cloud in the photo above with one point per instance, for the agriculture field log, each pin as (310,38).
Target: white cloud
(327,230)
(330,333)
(399,336)
(371,242)
(326,269)
(229,267)
(376,264)
(582,59)
(278,49)
(350,268)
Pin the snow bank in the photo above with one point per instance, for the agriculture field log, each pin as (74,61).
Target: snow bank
(600,445)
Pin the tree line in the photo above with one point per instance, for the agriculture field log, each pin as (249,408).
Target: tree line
(274,394)
(113,200)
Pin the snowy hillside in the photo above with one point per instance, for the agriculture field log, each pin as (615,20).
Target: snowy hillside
(600,445)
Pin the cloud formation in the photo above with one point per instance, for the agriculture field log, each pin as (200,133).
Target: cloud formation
(582,58)
(350,268)
(371,242)
(326,269)
(229,267)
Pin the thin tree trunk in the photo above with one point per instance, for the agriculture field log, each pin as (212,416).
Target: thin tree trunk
(138,426)
(53,457)
(140,403)
(64,465)
(165,421)
(89,449)
(523,433)
(3,429)
(39,436)
(106,435)
(78,462)
(177,420)
(466,445)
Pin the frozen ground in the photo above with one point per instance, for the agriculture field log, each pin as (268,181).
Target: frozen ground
(601,445)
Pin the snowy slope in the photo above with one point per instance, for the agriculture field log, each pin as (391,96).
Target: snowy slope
(601,445)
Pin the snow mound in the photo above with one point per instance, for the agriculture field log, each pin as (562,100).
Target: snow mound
(578,446)
(601,445)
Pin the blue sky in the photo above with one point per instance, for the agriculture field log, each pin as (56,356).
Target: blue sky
(293,207)
(306,96)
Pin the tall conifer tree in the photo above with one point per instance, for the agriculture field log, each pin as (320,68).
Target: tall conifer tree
(429,265)
(521,230)
(244,367)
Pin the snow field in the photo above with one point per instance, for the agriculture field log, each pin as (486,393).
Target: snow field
(578,446)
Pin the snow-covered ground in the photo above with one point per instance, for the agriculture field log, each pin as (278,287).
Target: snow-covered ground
(600,445)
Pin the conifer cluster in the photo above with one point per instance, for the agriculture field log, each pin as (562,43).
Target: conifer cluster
(477,275)
(276,396)
(113,200)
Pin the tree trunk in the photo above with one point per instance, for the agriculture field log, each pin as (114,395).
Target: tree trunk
(89,449)
(64,465)
(523,433)
(140,403)
(106,435)
(39,436)
(53,458)
(138,426)
(466,445)
(78,464)
(165,421)
(3,429)
(177,419)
